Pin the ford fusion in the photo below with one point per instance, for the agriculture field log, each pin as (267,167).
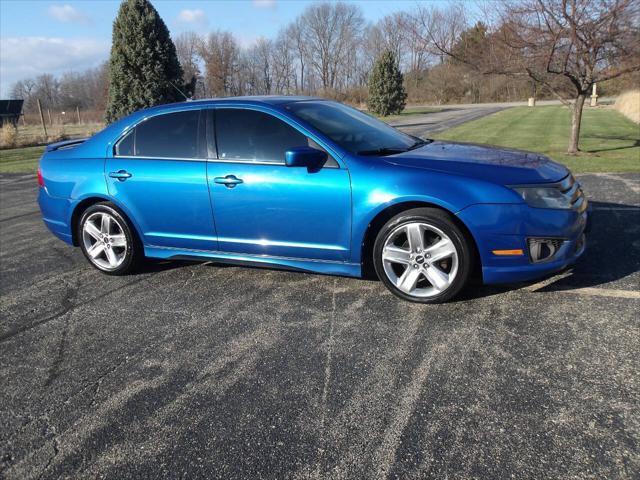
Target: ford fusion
(311,185)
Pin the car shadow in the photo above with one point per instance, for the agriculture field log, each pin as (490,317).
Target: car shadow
(613,253)
(154,265)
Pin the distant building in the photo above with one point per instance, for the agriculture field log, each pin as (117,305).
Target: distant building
(10,111)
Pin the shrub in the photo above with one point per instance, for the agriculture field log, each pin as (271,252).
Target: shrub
(8,136)
(386,91)
(628,104)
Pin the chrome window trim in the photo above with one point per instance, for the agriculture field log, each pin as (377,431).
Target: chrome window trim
(275,164)
(123,136)
(245,160)
(180,159)
(213,160)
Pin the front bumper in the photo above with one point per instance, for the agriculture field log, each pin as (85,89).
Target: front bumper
(507,227)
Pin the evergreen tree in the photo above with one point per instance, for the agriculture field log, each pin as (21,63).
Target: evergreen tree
(386,92)
(143,64)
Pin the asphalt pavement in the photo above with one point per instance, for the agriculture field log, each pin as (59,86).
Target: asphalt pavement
(423,125)
(199,370)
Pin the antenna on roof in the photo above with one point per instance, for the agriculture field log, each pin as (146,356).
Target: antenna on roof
(180,91)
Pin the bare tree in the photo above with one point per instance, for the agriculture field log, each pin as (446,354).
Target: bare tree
(417,48)
(220,53)
(283,61)
(440,29)
(48,90)
(263,52)
(564,45)
(582,41)
(188,46)
(394,35)
(330,32)
(296,32)
(25,89)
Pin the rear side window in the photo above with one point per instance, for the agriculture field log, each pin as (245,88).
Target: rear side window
(254,136)
(172,135)
(126,146)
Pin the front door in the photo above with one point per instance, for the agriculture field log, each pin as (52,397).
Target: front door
(263,207)
(158,175)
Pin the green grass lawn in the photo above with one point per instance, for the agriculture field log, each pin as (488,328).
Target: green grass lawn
(20,160)
(609,141)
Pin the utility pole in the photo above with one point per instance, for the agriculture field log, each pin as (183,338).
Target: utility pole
(44,127)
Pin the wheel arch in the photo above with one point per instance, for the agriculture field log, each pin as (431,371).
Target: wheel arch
(382,217)
(85,203)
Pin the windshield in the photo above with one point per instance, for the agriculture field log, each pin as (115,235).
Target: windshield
(353,130)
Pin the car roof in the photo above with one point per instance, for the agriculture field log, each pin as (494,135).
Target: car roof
(274,100)
(254,99)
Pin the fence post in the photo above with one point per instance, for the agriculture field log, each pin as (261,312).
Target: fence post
(49,114)
(44,127)
(78,112)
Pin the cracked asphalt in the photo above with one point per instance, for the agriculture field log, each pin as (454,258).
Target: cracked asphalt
(209,371)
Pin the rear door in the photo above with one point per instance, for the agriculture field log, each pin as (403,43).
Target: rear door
(271,209)
(158,174)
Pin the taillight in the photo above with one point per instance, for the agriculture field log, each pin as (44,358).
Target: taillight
(40,179)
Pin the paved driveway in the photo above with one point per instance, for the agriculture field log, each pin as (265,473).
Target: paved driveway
(206,371)
(423,125)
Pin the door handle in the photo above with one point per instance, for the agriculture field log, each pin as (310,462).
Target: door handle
(229,181)
(121,175)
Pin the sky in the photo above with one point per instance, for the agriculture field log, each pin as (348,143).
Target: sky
(55,37)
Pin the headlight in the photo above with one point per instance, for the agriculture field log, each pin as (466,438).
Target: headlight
(544,197)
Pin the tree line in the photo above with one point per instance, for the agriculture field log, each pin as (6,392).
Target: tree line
(329,49)
(85,90)
(521,48)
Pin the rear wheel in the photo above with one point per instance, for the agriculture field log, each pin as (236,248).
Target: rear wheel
(107,240)
(422,256)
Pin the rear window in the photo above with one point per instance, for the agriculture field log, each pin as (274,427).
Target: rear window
(172,135)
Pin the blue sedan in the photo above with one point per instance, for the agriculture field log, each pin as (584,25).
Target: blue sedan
(312,185)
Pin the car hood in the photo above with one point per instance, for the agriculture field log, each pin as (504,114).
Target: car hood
(495,164)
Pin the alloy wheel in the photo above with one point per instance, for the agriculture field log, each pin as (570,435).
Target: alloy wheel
(104,240)
(420,259)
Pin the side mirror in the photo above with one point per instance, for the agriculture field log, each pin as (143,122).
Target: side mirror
(308,157)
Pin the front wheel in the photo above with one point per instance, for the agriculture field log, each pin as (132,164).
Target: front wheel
(422,256)
(107,240)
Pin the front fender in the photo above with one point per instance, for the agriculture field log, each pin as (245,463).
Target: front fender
(378,186)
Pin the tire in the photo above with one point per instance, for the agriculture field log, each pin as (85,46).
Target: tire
(110,246)
(407,263)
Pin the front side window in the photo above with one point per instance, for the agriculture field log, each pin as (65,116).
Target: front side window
(171,135)
(250,135)
(353,130)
